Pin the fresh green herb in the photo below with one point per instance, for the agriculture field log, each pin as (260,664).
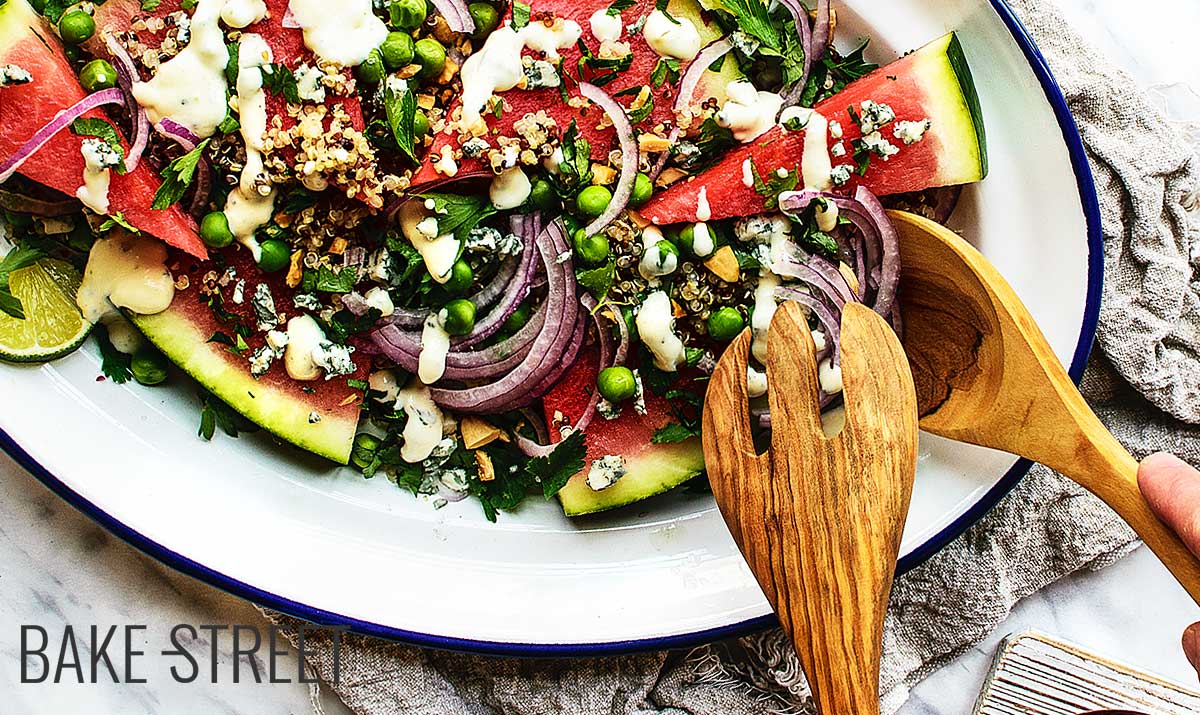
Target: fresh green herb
(714,139)
(113,363)
(618,6)
(214,413)
(498,104)
(150,5)
(774,185)
(55,9)
(342,324)
(666,70)
(102,130)
(400,104)
(639,115)
(661,6)
(659,382)
(459,214)
(115,219)
(279,80)
(229,124)
(177,176)
(520,15)
(339,281)
(673,433)
(18,258)
(575,171)
(603,70)
(358,385)
(555,469)
(233,65)
(831,75)
(599,280)
(236,345)
(299,199)
(862,156)
(189,4)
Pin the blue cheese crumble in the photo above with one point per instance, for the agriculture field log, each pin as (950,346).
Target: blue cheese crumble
(11,75)
(911,132)
(841,174)
(310,84)
(334,359)
(874,116)
(264,308)
(606,472)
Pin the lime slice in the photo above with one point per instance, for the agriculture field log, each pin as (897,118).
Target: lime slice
(53,326)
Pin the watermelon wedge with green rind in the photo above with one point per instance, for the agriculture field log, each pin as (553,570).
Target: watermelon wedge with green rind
(932,83)
(651,469)
(519,102)
(319,416)
(26,41)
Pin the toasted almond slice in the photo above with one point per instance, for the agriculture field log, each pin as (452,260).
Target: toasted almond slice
(295,270)
(338,246)
(724,265)
(651,144)
(669,176)
(486,471)
(478,433)
(603,174)
(848,273)
(637,219)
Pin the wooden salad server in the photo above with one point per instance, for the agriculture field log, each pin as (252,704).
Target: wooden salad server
(985,374)
(819,519)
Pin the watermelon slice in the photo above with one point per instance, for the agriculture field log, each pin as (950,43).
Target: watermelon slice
(932,83)
(320,416)
(24,109)
(651,469)
(518,102)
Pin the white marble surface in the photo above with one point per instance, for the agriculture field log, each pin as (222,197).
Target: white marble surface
(57,568)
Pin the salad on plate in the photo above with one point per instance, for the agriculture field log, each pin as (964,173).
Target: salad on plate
(482,250)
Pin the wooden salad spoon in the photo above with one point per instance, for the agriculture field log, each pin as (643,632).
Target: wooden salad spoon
(819,519)
(985,374)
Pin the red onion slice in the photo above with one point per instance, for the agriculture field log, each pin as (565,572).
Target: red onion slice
(458,17)
(821,27)
(687,88)
(60,122)
(629,156)
(127,74)
(514,294)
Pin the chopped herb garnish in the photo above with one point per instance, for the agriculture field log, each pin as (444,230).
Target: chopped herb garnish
(335,281)
(214,413)
(618,7)
(774,185)
(575,171)
(177,176)
(459,214)
(150,5)
(115,219)
(400,104)
(113,363)
(555,469)
(598,281)
(661,6)
(279,80)
(520,15)
(666,70)
(673,433)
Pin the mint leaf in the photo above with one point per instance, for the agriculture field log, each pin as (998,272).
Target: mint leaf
(340,281)
(557,468)
(115,219)
(400,104)
(459,214)
(598,281)
(279,80)
(774,185)
(177,176)
(618,6)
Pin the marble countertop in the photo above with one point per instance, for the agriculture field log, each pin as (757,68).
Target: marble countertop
(59,568)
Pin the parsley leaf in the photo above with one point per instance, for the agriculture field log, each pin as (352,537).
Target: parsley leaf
(400,104)
(279,80)
(113,363)
(774,186)
(18,258)
(339,281)
(177,176)
(556,469)
(575,171)
(618,6)
(102,130)
(672,433)
(598,280)
(215,413)
(754,20)
(115,219)
(520,15)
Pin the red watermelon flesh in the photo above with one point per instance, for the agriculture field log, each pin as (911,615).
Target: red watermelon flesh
(274,401)
(932,83)
(518,102)
(24,109)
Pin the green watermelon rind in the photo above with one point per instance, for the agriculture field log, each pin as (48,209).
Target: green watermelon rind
(966,84)
(655,470)
(951,97)
(185,344)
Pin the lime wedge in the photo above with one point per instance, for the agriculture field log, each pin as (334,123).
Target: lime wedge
(53,326)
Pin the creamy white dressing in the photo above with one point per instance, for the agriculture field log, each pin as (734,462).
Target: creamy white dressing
(387,383)
(343,32)
(748,112)
(764,312)
(125,338)
(655,262)
(656,327)
(669,37)
(496,67)
(379,298)
(702,240)
(97,175)
(756,382)
(747,174)
(827,216)
(125,271)
(815,164)
(243,13)
(510,189)
(435,345)
(304,337)
(421,229)
(425,424)
(246,214)
(829,376)
(605,27)
(190,87)
(703,210)
(253,55)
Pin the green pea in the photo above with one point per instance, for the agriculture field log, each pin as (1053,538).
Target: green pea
(518,319)
(76,27)
(407,15)
(643,189)
(486,18)
(97,75)
(687,238)
(461,278)
(666,249)
(593,200)
(363,452)
(214,230)
(591,249)
(430,54)
(542,195)
(149,367)
(725,324)
(459,317)
(420,124)
(397,50)
(372,70)
(275,256)
(616,384)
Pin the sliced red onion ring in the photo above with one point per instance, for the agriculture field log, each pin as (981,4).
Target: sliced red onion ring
(629,156)
(687,88)
(356,303)
(514,294)
(11,201)
(804,29)
(825,316)
(127,74)
(458,17)
(61,121)
(821,29)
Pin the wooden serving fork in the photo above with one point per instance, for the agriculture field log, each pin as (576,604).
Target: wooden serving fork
(819,519)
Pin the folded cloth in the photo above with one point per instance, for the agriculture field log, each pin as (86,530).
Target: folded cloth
(1144,381)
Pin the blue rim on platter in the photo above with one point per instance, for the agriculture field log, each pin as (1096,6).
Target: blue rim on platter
(1091,209)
